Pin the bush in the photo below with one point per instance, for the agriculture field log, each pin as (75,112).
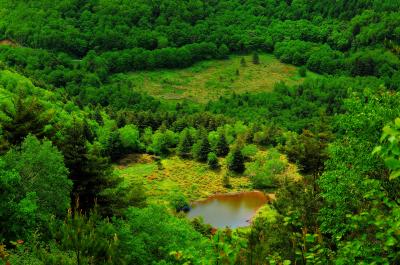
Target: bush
(236,160)
(266,169)
(249,151)
(256,58)
(226,182)
(212,160)
(302,71)
(179,202)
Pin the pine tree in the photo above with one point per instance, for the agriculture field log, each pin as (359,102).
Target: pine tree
(226,181)
(243,62)
(236,161)
(256,58)
(212,160)
(202,149)
(222,148)
(90,171)
(223,52)
(185,144)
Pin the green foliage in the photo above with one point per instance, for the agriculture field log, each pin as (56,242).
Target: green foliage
(308,150)
(226,181)
(390,151)
(66,82)
(163,141)
(212,160)
(34,187)
(16,205)
(266,171)
(302,71)
(91,239)
(223,52)
(145,230)
(129,136)
(256,58)
(342,183)
(243,62)
(249,151)
(202,148)
(235,160)
(186,142)
(178,201)
(41,168)
(222,148)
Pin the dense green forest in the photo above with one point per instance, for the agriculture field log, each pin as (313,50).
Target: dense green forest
(97,169)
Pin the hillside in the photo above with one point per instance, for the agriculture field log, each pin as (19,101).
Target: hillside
(199,132)
(209,80)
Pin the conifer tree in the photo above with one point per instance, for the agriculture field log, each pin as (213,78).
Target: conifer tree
(236,160)
(222,148)
(243,62)
(256,58)
(212,160)
(202,148)
(185,144)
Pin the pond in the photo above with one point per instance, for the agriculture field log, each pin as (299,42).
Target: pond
(232,210)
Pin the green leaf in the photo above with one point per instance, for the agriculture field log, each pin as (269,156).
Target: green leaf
(376,150)
(397,123)
(392,163)
(391,241)
(310,238)
(394,175)
(287,262)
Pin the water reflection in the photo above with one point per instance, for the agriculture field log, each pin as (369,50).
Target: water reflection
(233,210)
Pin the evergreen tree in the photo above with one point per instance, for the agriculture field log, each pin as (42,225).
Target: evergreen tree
(236,160)
(222,148)
(185,144)
(223,52)
(97,176)
(243,62)
(202,148)
(114,146)
(226,181)
(212,160)
(256,58)
(303,71)
(89,170)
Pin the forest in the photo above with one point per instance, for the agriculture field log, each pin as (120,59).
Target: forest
(117,116)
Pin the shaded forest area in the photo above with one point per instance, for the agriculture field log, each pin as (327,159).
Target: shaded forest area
(68,113)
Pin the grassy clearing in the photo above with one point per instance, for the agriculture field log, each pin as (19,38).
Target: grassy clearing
(208,80)
(195,180)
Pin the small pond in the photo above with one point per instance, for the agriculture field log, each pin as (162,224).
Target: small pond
(232,210)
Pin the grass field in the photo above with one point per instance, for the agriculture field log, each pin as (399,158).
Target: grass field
(194,179)
(208,80)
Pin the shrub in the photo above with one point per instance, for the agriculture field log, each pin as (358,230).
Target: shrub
(302,71)
(212,160)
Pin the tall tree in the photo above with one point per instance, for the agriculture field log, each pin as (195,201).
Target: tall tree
(222,148)
(89,169)
(256,58)
(202,148)
(236,160)
(185,144)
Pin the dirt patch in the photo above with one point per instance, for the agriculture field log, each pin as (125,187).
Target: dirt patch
(8,42)
(135,158)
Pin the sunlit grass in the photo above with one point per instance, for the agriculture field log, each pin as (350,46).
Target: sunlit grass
(208,80)
(194,179)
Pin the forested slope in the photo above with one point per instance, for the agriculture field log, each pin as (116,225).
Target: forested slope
(72,108)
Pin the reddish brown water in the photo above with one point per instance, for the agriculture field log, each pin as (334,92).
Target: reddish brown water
(232,210)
